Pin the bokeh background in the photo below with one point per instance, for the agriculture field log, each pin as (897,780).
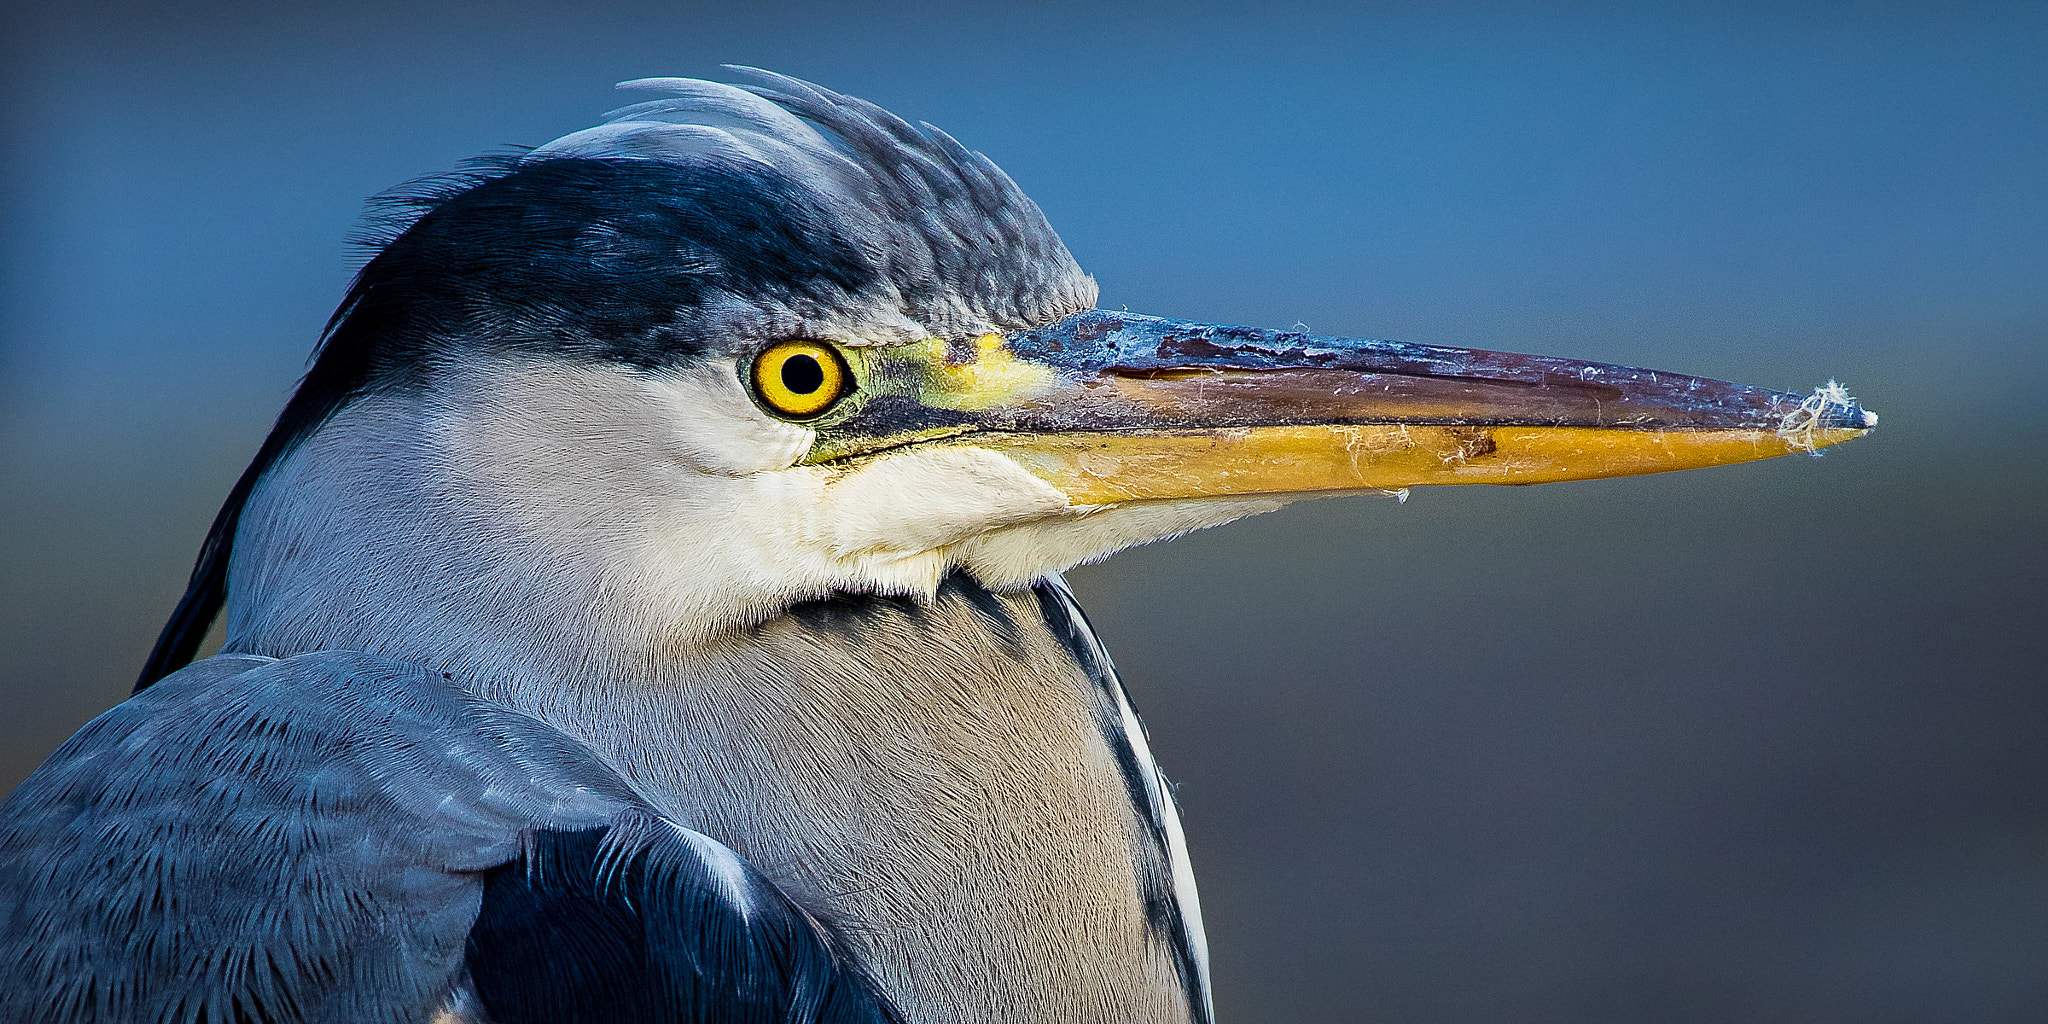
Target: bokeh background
(1765,743)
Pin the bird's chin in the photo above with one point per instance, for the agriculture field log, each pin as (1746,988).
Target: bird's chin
(1016,556)
(899,521)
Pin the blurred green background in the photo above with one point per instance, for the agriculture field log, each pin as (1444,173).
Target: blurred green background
(1765,743)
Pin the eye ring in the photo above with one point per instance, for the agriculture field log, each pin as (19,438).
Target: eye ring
(799,379)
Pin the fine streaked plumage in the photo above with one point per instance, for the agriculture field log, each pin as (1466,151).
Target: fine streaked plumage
(647,606)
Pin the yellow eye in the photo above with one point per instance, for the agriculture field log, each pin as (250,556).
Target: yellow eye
(800,379)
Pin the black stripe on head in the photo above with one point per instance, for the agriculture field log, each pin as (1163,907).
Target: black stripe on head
(610,260)
(569,258)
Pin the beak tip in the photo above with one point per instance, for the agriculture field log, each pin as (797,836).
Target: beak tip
(1830,408)
(1848,417)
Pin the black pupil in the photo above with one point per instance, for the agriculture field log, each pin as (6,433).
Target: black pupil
(802,375)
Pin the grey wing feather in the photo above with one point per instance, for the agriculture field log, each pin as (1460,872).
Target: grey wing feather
(251,839)
(311,839)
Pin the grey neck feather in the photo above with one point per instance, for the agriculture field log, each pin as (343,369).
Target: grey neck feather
(934,778)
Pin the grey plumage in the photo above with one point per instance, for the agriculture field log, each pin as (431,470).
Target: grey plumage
(313,839)
(320,829)
(964,250)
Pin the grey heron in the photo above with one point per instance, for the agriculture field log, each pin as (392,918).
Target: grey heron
(647,606)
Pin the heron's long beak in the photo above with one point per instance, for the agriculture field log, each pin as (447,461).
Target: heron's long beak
(1111,407)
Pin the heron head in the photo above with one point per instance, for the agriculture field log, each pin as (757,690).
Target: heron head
(762,343)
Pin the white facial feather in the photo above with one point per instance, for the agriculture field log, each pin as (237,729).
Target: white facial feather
(1015,556)
(558,499)
(923,500)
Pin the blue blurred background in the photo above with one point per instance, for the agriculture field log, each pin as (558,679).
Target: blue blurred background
(1762,743)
